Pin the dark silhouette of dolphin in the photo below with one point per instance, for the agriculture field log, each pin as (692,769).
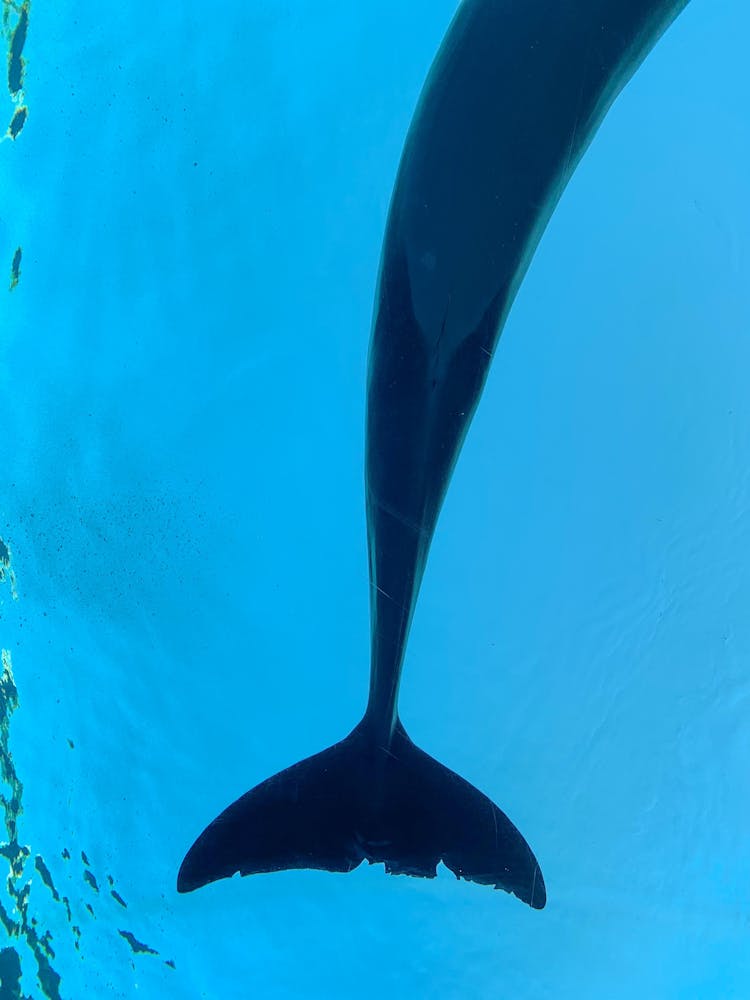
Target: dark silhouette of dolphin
(512,101)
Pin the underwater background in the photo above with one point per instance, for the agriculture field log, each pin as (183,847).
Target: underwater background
(193,202)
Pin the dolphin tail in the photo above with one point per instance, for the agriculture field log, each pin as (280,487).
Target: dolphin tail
(355,802)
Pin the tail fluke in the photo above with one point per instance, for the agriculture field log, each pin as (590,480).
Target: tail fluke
(356,801)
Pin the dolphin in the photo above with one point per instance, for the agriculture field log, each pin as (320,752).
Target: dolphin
(512,101)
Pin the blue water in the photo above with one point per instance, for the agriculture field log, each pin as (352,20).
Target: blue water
(200,195)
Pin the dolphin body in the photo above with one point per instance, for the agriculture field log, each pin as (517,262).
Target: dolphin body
(511,103)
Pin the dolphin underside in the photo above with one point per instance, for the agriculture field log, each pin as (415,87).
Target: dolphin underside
(513,100)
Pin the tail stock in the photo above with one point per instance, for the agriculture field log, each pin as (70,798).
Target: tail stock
(356,801)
